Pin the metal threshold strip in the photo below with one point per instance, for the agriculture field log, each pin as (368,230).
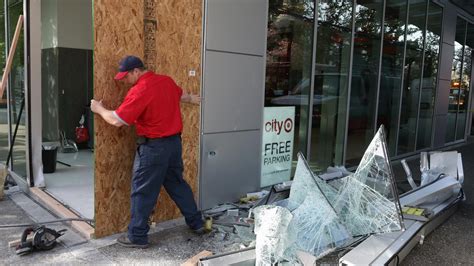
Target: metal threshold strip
(392,248)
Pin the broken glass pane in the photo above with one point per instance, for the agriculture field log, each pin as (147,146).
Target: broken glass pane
(273,235)
(374,169)
(325,215)
(318,228)
(363,210)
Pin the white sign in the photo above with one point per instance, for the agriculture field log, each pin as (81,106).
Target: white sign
(277,149)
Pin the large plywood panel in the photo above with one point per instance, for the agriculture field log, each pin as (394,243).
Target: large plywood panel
(179,47)
(178,50)
(114,148)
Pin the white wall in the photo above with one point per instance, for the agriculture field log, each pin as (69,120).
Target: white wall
(49,24)
(75,24)
(67,24)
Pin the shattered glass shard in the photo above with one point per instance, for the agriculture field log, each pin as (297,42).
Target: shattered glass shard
(317,226)
(273,236)
(315,222)
(363,210)
(374,169)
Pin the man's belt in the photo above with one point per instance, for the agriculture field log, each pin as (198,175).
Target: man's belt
(143,139)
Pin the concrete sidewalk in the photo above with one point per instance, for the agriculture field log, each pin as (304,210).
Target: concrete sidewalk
(172,243)
(451,243)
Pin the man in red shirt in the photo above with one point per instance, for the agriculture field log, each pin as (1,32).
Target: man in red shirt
(153,106)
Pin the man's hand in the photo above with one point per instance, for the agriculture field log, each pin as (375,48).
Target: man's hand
(108,115)
(194,99)
(191,98)
(96,106)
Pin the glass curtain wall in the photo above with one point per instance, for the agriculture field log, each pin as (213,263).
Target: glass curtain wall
(333,52)
(16,86)
(365,77)
(288,68)
(430,76)
(465,87)
(460,81)
(4,128)
(412,76)
(392,70)
(376,63)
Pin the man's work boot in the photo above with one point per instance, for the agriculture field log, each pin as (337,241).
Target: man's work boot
(125,242)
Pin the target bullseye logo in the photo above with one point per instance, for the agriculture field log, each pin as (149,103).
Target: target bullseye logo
(277,126)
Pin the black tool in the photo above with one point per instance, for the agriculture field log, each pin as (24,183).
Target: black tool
(43,239)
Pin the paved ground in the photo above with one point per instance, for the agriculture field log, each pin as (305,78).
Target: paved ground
(452,243)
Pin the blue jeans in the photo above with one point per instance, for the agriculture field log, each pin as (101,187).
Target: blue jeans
(158,162)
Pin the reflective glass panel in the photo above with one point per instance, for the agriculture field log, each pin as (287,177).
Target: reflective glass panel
(333,51)
(465,83)
(392,70)
(17,91)
(412,77)
(430,73)
(288,69)
(365,69)
(456,70)
(3,99)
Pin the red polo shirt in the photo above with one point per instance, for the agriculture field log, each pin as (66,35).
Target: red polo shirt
(153,106)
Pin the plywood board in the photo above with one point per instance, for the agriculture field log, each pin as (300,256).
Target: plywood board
(118,31)
(178,36)
(178,45)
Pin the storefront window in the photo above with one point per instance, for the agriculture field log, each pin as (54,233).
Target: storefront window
(17,90)
(412,77)
(288,68)
(459,82)
(465,83)
(4,128)
(430,75)
(365,70)
(392,70)
(333,52)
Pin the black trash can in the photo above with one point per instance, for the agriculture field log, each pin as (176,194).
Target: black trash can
(49,160)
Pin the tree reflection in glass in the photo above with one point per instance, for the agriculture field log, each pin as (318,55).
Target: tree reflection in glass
(288,68)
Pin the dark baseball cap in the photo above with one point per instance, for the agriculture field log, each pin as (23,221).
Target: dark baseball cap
(128,63)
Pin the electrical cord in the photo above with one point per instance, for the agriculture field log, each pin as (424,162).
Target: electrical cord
(4,226)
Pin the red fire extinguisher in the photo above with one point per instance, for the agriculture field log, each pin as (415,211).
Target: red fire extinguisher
(82,134)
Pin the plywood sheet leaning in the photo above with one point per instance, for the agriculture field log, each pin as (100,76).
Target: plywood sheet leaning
(177,32)
(118,30)
(179,46)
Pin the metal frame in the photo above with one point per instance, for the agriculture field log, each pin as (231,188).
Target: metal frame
(29,179)
(311,83)
(203,99)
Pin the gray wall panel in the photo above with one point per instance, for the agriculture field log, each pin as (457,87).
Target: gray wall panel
(232,166)
(440,131)
(233,95)
(447,53)
(442,97)
(237,26)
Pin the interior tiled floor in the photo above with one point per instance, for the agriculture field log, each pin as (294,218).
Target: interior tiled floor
(74,186)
